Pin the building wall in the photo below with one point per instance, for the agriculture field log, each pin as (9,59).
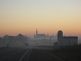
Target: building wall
(69,40)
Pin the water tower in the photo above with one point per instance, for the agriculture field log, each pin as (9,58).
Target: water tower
(60,35)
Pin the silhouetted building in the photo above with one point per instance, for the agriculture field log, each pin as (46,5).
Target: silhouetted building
(66,40)
(21,37)
(40,39)
(15,38)
(60,35)
(14,41)
(39,36)
(8,38)
(0,38)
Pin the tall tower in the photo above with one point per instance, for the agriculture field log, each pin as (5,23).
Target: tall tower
(60,35)
(36,31)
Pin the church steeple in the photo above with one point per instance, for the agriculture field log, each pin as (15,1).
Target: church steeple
(36,31)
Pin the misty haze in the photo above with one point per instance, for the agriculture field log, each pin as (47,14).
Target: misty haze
(40,30)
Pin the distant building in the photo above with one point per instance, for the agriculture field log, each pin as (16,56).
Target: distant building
(21,37)
(66,40)
(39,36)
(0,38)
(40,39)
(8,38)
(15,41)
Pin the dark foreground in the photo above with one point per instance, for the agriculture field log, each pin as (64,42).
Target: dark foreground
(20,54)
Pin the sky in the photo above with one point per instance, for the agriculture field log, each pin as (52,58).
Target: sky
(48,16)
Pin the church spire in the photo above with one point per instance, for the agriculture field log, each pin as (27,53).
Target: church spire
(36,31)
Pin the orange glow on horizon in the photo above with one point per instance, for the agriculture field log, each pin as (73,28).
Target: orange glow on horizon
(48,16)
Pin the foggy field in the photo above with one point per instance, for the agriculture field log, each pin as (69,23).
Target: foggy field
(69,54)
(40,30)
(64,54)
(10,54)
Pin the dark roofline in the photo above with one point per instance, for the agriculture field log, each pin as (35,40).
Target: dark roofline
(70,36)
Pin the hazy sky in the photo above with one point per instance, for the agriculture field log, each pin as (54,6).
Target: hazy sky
(24,16)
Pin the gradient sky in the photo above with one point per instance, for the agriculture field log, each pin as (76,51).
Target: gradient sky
(48,16)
